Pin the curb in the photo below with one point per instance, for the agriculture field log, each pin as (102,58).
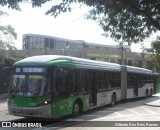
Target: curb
(153,105)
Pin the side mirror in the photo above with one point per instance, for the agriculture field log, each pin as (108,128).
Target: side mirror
(7,69)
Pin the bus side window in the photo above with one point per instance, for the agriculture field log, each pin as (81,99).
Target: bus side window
(117,79)
(130,80)
(101,80)
(84,80)
(70,81)
(107,79)
(111,79)
(60,80)
(81,81)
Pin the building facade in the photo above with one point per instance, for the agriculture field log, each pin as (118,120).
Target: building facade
(34,41)
(34,44)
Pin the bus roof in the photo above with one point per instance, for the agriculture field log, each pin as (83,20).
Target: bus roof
(138,70)
(78,62)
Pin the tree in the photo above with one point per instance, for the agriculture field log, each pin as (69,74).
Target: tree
(123,20)
(7,34)
(152,54)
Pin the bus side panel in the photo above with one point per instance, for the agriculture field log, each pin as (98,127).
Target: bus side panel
(142,90)
(130,93)
(64,107)
(118,94)
(104,98)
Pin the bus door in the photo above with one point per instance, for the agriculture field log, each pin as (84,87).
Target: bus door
(136,84)
(61,92)
(92,88)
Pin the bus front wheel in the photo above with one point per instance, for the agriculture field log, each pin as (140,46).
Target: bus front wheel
(77,108)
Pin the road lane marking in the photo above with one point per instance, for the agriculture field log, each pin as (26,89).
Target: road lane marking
(134,112)
(148,110)
(118,114)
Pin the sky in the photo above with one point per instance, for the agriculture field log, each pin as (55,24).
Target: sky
(68,25)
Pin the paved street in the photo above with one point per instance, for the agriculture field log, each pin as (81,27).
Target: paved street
(133,110)
(4,116)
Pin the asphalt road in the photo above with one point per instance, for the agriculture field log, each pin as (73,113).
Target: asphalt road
(132,112)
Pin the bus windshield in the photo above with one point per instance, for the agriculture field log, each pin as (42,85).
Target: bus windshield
(29,85)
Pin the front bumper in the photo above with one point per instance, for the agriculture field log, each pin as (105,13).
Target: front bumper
(42,111)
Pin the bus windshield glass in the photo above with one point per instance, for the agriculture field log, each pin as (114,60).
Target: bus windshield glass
(29,85)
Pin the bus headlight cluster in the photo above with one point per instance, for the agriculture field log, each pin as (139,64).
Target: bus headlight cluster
(46,102)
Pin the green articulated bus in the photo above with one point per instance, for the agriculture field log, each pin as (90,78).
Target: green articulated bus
(53,86)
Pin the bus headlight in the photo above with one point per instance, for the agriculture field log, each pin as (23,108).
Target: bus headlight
(46,102)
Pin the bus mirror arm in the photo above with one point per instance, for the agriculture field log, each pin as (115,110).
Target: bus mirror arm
(7,69)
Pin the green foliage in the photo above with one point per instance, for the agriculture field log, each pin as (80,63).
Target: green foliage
(7,34)
(10,62)
(128,21)
(14,4)
(154,55)
(11,3)
(123,20)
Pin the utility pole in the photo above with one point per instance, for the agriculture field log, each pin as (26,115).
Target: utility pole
(122,54)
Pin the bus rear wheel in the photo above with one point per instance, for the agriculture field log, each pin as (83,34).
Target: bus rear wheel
(113,99)
(77,108)
(151,93)
(146,93)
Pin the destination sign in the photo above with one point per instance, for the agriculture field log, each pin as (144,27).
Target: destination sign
(30,70)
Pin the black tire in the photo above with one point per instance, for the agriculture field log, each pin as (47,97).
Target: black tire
(77,108)
(146,93)
(151,93)
(113,100)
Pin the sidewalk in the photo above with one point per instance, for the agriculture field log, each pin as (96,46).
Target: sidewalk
(155,103)
(3,97)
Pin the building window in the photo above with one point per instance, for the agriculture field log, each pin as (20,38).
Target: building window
(60,44)
(93,58)
(47,43)
(107,60)
(118,61)
(86,46)
(144,64)
(68,45)
(100,59)
(130,62)
(112,60)
(135,63)
(51,43)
